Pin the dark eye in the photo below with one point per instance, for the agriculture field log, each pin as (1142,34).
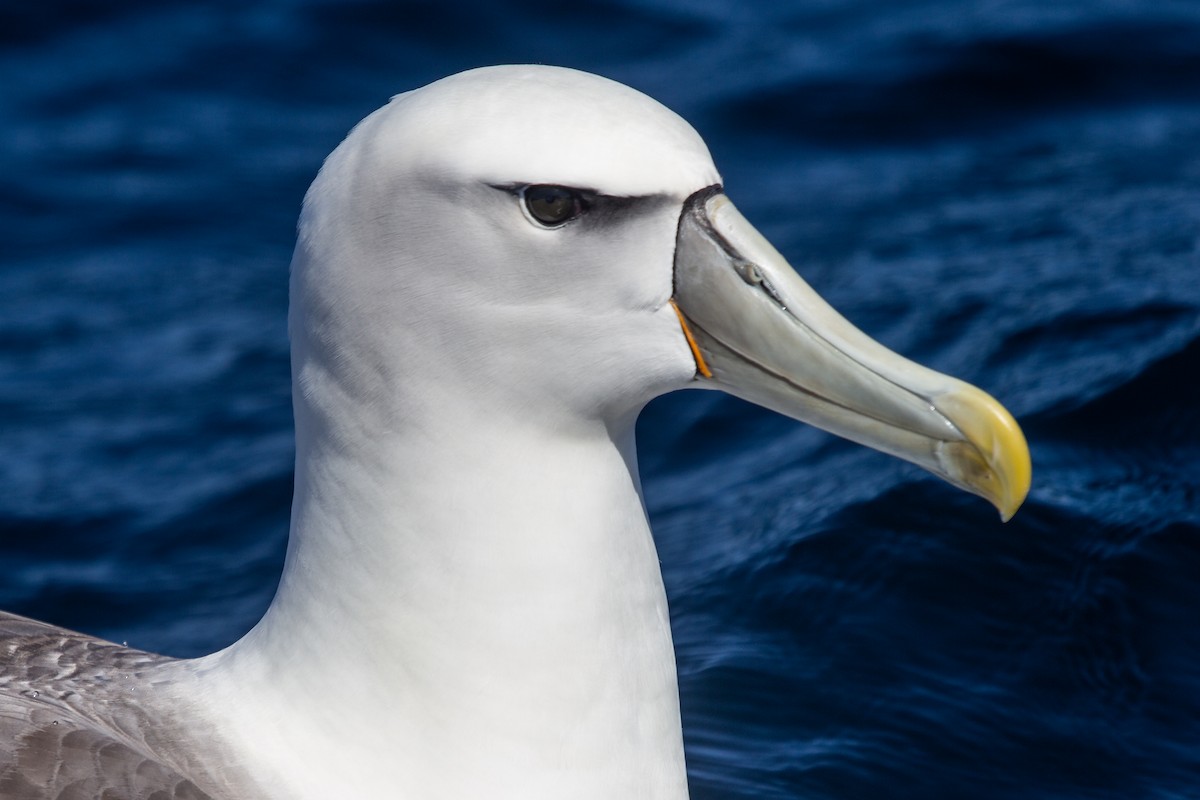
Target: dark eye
(552,205)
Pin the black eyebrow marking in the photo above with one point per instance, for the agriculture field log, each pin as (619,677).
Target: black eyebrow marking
(600,208)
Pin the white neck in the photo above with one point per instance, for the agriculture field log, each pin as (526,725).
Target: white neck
(468,609)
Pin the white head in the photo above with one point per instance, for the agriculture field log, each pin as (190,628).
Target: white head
(423,282)
(421,277)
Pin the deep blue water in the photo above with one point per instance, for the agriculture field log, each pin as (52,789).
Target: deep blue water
(1006,191)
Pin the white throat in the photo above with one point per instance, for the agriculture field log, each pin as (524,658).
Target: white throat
(467,610)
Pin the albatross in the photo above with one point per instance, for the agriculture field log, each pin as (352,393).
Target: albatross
(493,275)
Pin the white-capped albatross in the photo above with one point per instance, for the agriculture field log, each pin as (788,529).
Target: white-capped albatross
(493,275)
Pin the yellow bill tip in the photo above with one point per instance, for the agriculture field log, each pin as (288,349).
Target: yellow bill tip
(994,462)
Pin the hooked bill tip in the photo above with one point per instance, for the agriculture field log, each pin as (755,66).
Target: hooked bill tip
(995,462)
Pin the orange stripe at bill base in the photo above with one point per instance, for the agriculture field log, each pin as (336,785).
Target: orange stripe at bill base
(701,367)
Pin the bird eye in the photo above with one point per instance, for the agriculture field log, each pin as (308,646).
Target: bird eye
(552,205)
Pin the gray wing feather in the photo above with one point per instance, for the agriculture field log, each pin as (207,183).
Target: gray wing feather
(72,722)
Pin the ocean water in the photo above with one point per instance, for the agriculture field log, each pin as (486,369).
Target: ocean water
(1005,190)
